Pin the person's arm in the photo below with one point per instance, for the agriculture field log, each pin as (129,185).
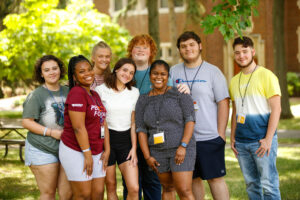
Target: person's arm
(38,129)
(223,114)
(132,153)
(187,135)
(151,161)
(233,128)
(265,144)
(187,107)
(78,124)
(106,152)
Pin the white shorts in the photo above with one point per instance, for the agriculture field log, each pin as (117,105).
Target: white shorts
(73,161)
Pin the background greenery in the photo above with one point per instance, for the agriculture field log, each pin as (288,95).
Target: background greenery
(41,28)
(17,181)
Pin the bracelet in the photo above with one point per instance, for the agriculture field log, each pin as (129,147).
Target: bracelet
(86,150)
(45,130)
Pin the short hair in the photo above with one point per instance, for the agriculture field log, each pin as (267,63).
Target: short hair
(38,67)
(160,62)
(111,80)
(244,41)
(186,36)
(143,39)
(71,68)
(102,45)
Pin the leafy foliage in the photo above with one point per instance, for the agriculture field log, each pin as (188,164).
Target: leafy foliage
(230,16)
(44,29)
(293,81)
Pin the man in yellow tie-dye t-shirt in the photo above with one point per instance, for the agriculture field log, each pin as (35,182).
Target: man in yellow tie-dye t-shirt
(255,95)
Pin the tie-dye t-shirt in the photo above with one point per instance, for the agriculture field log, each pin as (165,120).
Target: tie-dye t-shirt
(46,109)
(256,110)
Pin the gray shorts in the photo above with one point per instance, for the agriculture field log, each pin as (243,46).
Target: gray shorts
(166,159)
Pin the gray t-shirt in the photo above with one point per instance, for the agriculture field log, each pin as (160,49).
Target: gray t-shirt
(41,106)
(209,87)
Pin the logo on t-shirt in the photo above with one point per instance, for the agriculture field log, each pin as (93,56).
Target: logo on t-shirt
(189,81)
(97,111)
(77,105)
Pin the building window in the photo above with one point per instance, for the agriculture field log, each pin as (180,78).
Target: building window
(166,51)
(118,5)
(140,8)
(164,3)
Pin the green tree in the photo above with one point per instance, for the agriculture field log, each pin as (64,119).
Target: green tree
(44,29)
(233,16)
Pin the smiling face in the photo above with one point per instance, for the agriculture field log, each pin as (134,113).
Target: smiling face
(190,50)
(125,73)
(84,74)
(141,53)
(243,56)
(159,77)
(102,58)
(50,72)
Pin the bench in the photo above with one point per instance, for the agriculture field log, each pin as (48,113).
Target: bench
(21,142)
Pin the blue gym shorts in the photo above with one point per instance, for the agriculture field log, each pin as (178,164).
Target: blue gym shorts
(210,159)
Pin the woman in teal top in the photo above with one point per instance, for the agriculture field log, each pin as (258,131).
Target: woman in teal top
(43,116)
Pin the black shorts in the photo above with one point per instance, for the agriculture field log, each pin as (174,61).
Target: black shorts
(120,145)
(210,159)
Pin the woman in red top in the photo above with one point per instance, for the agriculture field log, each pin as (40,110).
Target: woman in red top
(85,135)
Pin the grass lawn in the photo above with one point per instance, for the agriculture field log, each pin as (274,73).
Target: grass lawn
(17,181)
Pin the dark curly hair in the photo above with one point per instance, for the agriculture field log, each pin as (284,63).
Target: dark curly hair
(38,67)
(71,68)
(111,80)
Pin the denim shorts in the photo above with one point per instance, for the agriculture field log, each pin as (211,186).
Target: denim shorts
(34,156)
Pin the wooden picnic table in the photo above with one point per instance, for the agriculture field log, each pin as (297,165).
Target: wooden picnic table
(10,129)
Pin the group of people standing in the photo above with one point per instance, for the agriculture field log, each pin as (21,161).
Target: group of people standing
(164,127)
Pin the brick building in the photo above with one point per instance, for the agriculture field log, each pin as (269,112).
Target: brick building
(215,49)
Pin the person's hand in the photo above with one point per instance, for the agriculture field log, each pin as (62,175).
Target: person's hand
(104,159)
(180,155)
(265,146)
(55,133)
(151,161)
(88,163)
(232,143)
(132,157)
(182,88)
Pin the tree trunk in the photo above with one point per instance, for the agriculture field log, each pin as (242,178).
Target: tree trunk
(62,4)
(279,56)
(153,23)
(173,32)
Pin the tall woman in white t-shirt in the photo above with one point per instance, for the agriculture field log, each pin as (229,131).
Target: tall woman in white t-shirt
(119,98)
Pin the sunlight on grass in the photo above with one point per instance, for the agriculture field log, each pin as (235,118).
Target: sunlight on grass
(17,181)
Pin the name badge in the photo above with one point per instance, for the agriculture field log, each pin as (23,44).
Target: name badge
(102,130)
(241,118)
(159,138)
(196,107)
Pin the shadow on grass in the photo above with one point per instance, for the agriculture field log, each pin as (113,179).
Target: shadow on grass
(14,188)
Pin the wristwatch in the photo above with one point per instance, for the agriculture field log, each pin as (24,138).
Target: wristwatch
(183,144)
